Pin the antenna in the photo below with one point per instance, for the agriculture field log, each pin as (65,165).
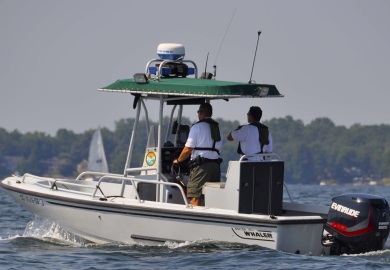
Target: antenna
(254,58)
(205,74)
(223,39)
(207,59)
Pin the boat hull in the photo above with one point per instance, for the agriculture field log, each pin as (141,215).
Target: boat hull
(131,221)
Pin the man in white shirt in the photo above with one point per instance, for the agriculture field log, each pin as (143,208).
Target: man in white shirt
(253,138)
(204,145)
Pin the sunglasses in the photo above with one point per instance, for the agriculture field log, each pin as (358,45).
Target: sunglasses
(200,111)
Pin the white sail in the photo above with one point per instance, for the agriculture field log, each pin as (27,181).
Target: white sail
(97,161)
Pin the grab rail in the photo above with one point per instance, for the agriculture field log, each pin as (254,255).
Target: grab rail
(94,174)
(133,180)
(33,176)
(141,169)
(128,170)
(260,157)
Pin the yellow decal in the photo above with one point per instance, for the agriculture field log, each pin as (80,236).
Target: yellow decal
(150,158)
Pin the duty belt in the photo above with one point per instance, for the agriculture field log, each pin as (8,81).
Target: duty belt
(201,160)
(210,160)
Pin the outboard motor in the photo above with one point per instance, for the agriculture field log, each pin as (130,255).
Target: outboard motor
(357,223)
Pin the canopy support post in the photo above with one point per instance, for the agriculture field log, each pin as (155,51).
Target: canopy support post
(159,166)
(131,145)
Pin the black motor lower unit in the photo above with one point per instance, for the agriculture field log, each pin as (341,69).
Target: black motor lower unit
(357,223)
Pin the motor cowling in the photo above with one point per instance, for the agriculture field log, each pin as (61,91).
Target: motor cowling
(358,223)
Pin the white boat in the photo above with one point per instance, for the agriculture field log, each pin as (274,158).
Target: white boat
(146,205)
(97,161)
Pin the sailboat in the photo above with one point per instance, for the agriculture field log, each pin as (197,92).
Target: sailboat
(97,161)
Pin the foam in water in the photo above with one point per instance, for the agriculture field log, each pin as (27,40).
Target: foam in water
(371,253)
(174,245)
(43,228)
(10,237)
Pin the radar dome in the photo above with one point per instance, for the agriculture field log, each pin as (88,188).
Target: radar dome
(170,51)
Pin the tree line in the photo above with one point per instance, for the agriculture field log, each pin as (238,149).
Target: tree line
(318,151)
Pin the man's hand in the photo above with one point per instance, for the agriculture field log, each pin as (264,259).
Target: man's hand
(183,156)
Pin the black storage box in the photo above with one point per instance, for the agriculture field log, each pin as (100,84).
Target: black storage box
(261,188)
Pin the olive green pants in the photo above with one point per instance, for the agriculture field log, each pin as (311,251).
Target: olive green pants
(206,172)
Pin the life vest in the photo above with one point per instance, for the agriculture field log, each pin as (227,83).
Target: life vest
(263,137)
(215,134)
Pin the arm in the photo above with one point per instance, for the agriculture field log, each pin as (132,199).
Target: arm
(237,134)
(268,148)
(229,137)
(184,155)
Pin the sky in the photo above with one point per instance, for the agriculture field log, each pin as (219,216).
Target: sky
(328,58)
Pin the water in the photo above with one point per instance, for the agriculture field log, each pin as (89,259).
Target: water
(27,242)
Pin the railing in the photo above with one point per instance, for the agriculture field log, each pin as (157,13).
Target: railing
(86,173)
(133,182)
(260,157)
(33,176)
(53,184)
(164,61)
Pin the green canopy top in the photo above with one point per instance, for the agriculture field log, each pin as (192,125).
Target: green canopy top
(193,88)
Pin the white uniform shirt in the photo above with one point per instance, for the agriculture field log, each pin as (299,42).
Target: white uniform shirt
(200,136)
(248,135)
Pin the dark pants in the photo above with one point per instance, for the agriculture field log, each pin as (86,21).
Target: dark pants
(206,172)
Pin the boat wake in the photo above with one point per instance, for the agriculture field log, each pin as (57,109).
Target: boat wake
(9,238)
(385,251)
(50,231)
(195,245)
(208,246)
(370,254)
